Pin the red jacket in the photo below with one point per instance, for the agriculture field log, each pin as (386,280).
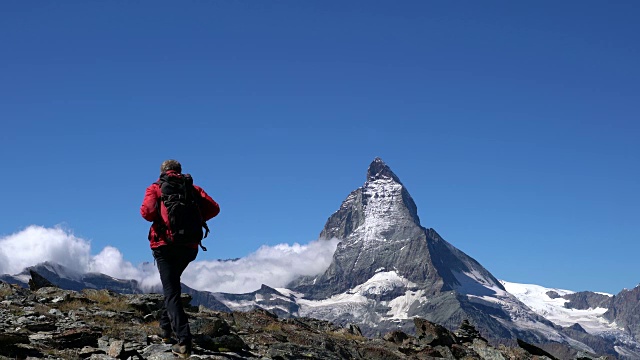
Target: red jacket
(149,210)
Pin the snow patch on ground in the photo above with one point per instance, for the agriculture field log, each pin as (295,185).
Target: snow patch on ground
(288,293)
(24,278)
(474,283)
(536,298)
(400,306)
(242,305)
(382,283)
(520,314)
(627,352)
(356,301)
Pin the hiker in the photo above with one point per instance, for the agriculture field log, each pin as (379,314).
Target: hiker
(174,201)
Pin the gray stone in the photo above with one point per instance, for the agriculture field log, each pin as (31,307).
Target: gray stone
(102,357)
(229,342)
(103,343)
(56,312)
(210,326)
(116,348)
(396,336)
(485,351)
(433,334)
(87,351)
(76,338)
(162,356)
(155,348)
(107,314)
(42,326)
(13,338)
(467,332)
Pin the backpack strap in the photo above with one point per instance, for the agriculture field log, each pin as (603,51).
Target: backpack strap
(202,246)
(206,228)
(196,194)
(162,227)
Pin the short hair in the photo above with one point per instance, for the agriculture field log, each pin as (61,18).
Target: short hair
(170,165)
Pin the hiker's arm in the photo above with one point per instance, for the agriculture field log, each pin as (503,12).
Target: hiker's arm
(208,207)
(148,210)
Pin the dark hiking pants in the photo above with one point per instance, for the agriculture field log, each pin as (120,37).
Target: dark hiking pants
(171,261)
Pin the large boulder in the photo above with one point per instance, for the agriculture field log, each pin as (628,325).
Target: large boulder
(433,334)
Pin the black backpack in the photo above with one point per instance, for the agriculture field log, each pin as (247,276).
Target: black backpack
(182,201)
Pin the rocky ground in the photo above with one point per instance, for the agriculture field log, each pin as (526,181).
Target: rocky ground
(51,323)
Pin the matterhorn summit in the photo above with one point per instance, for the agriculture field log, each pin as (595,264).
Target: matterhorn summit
(380,231)
(388,269)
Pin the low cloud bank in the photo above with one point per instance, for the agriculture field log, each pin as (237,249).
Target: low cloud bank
(36,244)
(275,265)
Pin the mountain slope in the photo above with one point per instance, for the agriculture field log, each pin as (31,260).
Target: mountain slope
(66,278)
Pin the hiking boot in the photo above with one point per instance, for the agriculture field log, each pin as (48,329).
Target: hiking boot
(182,350)
(167,338)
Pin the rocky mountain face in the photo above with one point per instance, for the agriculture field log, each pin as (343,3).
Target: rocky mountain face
(585,300)
(72,280)
(379,229)
(51,323)
(624,309)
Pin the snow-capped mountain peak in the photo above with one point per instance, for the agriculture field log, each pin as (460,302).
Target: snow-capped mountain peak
(378,169)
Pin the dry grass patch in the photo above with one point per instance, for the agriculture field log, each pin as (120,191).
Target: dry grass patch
(41,309)
(5,290)
(15,310)
(273,327)
(108,300)
(345,336)
(74,304)
(67,354)
(125,330)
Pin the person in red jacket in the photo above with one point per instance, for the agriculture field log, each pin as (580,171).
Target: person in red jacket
(172,258)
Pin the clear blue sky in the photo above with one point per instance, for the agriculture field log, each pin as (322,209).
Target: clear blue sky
(514,125)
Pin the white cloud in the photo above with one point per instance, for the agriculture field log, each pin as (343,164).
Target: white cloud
(275,266)
(111,262)
(271,265)
(36,244)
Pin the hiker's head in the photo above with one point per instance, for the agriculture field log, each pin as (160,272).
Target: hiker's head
(170,165)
